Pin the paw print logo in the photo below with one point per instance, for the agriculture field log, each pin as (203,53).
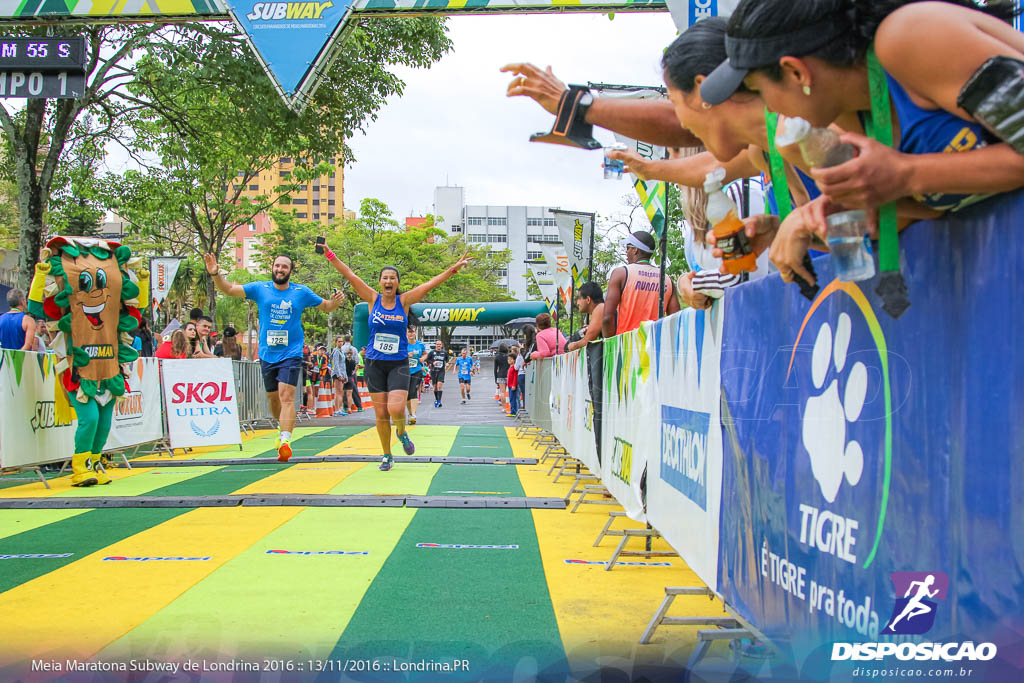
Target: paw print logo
(828,414)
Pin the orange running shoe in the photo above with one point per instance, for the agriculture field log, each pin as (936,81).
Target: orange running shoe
(284,451)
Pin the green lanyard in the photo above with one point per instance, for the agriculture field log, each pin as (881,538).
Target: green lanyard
(780,184)
(878,127)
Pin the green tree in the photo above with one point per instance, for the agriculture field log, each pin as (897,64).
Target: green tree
(214,121)
(38,135)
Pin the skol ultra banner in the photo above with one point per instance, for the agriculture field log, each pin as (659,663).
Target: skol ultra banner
(577,232)
(138,417)
(627,370)
(202,406)
(37,424)
(680,432)
(872,465)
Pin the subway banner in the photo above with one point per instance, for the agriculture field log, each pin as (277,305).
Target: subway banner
(627,369)
(201,400)
(572,407)
(875,466)
(37,423)
(679,419)
(138,417)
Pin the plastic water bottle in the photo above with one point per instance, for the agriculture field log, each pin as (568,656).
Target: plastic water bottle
(820,147)
(723,215)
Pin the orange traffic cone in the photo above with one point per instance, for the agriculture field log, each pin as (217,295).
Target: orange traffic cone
(325,399)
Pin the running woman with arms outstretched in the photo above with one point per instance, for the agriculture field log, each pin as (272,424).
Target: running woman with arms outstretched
(387,350)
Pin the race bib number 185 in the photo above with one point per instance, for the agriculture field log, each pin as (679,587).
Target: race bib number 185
(385,343)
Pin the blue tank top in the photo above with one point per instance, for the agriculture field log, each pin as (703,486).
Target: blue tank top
(926,131)
(388,329)
(11,334)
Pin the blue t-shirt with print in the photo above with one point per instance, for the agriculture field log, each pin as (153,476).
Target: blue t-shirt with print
(415,352)
(465,366)
(280,317)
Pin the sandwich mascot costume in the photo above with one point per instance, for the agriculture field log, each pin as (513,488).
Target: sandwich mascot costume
(89,289)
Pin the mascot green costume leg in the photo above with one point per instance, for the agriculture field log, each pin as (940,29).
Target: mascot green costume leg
(91,289)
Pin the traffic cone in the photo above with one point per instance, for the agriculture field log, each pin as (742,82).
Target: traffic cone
(325,400)
(364,394)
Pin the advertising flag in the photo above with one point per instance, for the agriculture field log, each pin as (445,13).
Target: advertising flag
(163,270)
(558,262)
(576,230)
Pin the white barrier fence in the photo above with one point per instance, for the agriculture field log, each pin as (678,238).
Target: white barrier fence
(653,395)
(38,423)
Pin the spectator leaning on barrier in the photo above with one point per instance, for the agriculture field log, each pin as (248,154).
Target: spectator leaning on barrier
(549,340)
(175,347)
(192,335)
(17,328)
(229,347)
(633,292)
(513,385)
(589,301)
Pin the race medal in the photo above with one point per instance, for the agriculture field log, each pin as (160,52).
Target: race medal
(385,343)
(277,337)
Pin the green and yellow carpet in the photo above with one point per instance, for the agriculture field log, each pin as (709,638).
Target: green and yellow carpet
(331,593)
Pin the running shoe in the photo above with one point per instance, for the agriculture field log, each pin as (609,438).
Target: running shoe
(284,451)
(385,464)
(406,443)
(277,440)
(437,404)
(463,401)
(468,397)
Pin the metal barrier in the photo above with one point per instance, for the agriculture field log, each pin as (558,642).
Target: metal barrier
(253,405)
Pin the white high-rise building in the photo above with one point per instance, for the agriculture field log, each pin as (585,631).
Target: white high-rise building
(521,229)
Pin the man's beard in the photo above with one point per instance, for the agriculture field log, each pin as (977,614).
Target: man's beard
(281,280)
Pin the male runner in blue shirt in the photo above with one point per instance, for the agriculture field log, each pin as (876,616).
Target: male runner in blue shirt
(465,365)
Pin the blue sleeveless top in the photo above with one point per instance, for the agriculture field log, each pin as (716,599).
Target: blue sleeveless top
(926,131)
(11,334)
(388,340)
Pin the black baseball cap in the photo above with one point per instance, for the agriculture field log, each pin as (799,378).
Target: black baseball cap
(746,54)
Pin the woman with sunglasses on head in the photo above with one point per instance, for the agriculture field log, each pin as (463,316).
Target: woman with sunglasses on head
(387,354)
(822,59)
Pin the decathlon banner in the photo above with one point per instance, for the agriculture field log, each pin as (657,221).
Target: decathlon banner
(37,424)
(201,402)
(138,415)
(860,450)
(572,407)
(627,369)
(681,435)
(577,232)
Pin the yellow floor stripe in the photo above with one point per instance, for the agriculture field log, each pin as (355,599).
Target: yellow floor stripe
(603,613)
(76,610)
(61,486)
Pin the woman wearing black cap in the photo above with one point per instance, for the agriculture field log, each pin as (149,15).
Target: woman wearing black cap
(811,58)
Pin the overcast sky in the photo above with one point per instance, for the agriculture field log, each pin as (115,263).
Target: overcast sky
(454,125)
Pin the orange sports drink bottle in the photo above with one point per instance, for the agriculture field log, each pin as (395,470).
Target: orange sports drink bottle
(737,254)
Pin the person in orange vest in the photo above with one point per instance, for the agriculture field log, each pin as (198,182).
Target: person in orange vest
(632,294)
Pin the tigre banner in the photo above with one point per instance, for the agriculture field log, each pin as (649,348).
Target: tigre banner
(37,424)
(138,417)
(202,406)
(680,433)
